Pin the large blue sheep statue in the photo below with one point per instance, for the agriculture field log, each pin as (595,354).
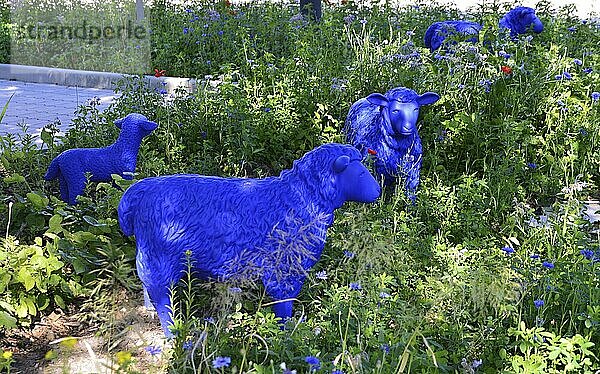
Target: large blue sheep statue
(386,127)
(438,31)
(519,20)
(273,228)
(71,166)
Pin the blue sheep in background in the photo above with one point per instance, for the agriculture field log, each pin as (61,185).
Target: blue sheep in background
(71,166)
(273,229)
(438,31)
(521,19)
(386,126)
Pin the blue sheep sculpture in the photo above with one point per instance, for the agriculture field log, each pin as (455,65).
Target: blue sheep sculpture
(71,166)
(386,126)
(438,31)
(273,228)
(519,20)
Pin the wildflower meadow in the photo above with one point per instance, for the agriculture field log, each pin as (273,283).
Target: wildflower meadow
(494,268)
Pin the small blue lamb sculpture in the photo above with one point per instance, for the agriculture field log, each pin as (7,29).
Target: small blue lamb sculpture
(519,20)
(438,31)
(386,126)
(274,228)
(119,158)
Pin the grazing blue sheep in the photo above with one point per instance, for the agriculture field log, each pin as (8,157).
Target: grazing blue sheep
(120,158)
(386,126)
(521,19)
(273,229)
(438,31)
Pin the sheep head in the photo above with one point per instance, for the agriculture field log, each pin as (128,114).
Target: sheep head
(136,123)
(520,19)
(354,181)
(401,113)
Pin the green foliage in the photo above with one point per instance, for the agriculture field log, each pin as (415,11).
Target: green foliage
(493,269)
(32,277)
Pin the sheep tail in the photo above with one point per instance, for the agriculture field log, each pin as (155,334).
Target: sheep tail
(126,211)
(53,170)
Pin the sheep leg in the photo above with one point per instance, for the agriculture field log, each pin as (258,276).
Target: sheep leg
(160,297)
(282,290)
(147,303)
(77,186)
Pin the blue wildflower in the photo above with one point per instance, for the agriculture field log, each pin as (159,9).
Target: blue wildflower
(558,77)
(476,364)
(187,30)
(188,345)
(322,275)
(349,18)
(315,363)
(588,70)
(220,32)
(203,134)
(209,320)
(384,295)
(410,33)
(385,348)
(595,96)
(532,165)
(337,372)
(363,21)
(355,286)
(538,303)
(567,75)
(587,253)
(163,92)
(577,62)
(234,290)
(548,265)
(349,254)
(508,250)
(534,257)
(583,132)
(153,350)
(504,54)
(221,362)
(266,109)
(572,29)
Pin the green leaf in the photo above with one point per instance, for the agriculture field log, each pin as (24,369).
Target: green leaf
(54,224)
(21,309)
(7,320)
(31,308)
(15,178)
(92,221)
(43,301)
(25,277)
(59,301)
(38,201)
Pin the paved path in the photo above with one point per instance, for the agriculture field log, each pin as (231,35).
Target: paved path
(38,104)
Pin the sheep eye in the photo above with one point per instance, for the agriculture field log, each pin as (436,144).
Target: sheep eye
(395,110)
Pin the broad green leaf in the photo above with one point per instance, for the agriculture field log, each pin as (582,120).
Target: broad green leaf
(92,221)
(38,201)
(31,309)
(7,320)
(54,223)
(25,277)
(59,301)
(15,178)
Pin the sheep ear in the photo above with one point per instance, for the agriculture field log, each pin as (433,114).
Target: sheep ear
(340,164)
(428,98)
(149,125)
(119,122)
(377,99)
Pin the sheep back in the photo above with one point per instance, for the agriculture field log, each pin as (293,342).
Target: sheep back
(438,31)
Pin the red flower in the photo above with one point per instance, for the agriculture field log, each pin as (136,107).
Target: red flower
(372,152)
(159,73)
(506,69)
